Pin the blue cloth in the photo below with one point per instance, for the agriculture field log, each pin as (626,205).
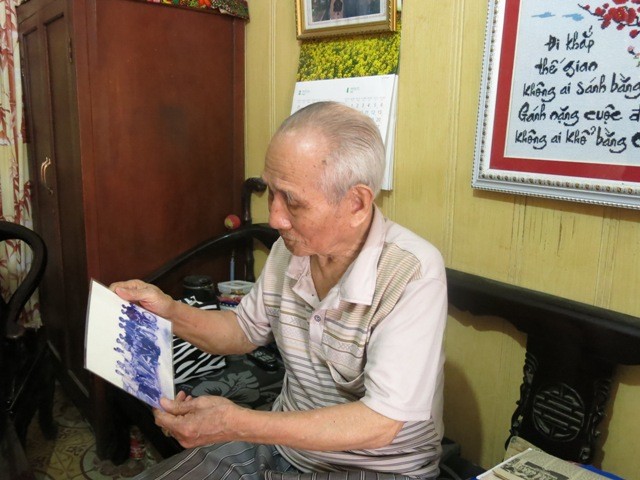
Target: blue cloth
(600,472)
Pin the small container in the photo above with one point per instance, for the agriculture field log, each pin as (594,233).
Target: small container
(235,287)
(137,446)
(231,293)
(198,286)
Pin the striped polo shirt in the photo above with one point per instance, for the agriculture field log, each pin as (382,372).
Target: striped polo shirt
(376,338)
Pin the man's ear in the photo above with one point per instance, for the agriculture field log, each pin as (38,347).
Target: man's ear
(360,203)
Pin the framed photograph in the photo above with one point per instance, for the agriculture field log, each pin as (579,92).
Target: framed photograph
(325,18)
(559,112)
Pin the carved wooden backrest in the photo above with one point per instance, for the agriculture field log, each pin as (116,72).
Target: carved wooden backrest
(572,351)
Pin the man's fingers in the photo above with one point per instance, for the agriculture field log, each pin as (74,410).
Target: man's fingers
(165,420)
(128,284)
(146,295)
(132,290)
(181,396)
(179,406)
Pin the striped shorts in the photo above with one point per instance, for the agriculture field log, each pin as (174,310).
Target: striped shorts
(246,461)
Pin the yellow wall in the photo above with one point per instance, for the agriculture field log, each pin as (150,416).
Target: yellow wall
(586,253)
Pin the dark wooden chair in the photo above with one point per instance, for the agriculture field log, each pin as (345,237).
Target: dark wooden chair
(572,351)
(26,375)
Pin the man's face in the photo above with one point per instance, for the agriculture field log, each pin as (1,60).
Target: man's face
(298,209)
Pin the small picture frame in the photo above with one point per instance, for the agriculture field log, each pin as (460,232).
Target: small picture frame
(328,18)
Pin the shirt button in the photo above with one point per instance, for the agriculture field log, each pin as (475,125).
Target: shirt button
(317,318)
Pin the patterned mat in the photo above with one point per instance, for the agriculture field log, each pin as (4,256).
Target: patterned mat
(72,455)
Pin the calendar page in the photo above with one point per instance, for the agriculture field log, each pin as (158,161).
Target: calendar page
(374,96)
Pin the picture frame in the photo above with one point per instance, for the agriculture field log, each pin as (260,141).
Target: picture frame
(559,110)
(329,18)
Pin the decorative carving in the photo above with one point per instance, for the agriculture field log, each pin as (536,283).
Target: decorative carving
(529,370)
(558,412)
(602,389)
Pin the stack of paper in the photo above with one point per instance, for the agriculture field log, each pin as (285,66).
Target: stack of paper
(534,464)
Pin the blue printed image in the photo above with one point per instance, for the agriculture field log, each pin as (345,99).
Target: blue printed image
(137,343)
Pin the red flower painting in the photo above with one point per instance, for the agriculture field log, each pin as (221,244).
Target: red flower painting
(619,14)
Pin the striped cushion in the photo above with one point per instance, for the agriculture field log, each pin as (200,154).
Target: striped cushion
(190,362)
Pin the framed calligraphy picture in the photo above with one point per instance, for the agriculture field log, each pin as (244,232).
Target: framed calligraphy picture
(326,18)
(559,112)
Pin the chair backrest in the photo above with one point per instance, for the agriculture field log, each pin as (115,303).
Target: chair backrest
(11,308)
(251,185)
(572,352)
(240,241)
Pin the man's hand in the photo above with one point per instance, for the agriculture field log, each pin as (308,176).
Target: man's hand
(195,421)
(209,419)
(212,331)
(146,295)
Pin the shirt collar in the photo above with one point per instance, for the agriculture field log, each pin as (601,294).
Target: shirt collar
(359,281)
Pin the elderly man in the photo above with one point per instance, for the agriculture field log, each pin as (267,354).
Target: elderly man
(357,307)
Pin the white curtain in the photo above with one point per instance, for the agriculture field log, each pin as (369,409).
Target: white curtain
(15,186)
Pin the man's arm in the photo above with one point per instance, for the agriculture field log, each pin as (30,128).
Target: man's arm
(212,331)
(205,420)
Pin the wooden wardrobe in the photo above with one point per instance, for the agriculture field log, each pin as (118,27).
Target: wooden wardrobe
(136,132)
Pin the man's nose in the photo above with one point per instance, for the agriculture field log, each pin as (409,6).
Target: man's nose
(278,215)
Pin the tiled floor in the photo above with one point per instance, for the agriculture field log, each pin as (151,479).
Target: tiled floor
(72,454)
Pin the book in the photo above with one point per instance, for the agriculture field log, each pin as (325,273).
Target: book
(129,346)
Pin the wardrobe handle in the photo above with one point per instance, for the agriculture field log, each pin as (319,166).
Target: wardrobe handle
(43,174)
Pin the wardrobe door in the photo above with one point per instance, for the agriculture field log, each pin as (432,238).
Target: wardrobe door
(136,137)
(48,67)
(167,161)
